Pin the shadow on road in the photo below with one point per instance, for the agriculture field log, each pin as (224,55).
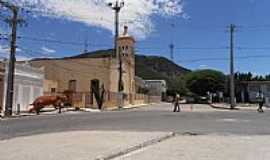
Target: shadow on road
(215,106)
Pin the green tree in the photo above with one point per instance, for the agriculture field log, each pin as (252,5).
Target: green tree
(201,81)
(177,85)
(267,77)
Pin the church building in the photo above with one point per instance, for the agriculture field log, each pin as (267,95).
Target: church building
(80,74)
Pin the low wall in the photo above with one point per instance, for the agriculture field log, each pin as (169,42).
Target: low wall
(87,100)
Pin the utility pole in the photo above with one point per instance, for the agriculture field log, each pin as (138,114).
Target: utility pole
(117,8)
(85,44)
(172,51)
(232,87)
(12,59)
(171,46)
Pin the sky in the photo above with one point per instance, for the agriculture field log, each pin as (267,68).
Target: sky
(199,29)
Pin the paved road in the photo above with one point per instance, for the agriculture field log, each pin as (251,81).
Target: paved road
(202,120)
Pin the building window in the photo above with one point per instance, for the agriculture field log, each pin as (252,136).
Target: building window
(72,85)
(53,90)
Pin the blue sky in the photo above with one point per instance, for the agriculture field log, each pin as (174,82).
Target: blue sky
(200,32)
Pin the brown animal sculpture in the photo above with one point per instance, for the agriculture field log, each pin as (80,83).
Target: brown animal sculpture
(44,101)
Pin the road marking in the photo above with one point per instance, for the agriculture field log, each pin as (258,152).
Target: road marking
(233,120)
(229,120)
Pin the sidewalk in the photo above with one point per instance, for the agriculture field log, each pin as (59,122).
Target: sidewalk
(71,110)
(79,145)
(129,107)
(206,147)
(45,111)
(117,145)
(225,106)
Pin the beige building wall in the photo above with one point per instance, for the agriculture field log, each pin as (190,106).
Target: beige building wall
(114,75)
(58,73)
(83,70)
(48,85)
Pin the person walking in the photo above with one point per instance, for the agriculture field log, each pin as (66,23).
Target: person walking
(261,101)
(177,103)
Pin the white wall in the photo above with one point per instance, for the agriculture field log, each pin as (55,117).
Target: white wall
(156,87)
(254,89)
(28,85)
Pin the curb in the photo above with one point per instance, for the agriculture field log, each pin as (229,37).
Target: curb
(48,113)
(129,107)
(138,147)
(223,108)
(25,116)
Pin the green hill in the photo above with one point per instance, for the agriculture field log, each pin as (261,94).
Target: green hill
(155,67)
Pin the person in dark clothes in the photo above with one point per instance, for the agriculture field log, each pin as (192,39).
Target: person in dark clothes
(177,103)
(261,100)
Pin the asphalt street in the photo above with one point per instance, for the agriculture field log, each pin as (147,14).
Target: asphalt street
(157,118)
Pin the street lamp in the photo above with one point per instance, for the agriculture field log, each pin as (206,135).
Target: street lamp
(116,7)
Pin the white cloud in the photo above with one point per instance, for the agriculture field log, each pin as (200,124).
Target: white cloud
(47,50)
(4,50)
(186,16)
(18,50)
(136,13)
(203,66)
(23,58)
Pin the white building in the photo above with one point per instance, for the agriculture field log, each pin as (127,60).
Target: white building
(28,85)
(253,87)
(156,87)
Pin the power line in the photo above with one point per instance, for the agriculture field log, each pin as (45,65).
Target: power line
(253,48)
(265,26)
(59,41)
(35,39)
(93,44)
(225,59)
(4,35)
(36,54)
(171,45)
(184,48)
